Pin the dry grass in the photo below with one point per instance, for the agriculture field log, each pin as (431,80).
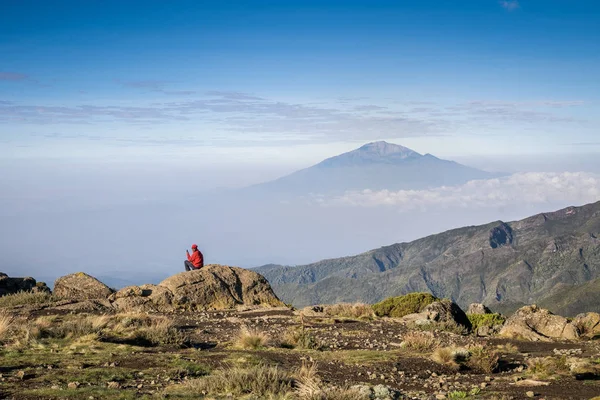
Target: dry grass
(308,384)
(450,356)
(5,322)
(299,338)
(25,298)
(346,310)
(252,339)
(420,341)
(261,381)
(483,359)
(161,331)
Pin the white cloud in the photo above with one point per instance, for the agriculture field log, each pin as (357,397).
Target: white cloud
(510,5)
(519,190)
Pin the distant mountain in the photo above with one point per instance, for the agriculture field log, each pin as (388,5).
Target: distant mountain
(376,166)
(552,259)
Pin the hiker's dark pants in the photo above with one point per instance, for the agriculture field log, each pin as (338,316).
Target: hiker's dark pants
(189,266)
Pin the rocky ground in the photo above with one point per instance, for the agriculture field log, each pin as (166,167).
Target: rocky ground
(221,333)
(384,356)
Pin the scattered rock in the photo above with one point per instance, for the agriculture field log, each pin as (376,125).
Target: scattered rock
(538,324)
(530,394)
(73,385)
(81,286)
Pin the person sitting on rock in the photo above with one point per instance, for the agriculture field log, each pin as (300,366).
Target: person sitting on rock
(195,260)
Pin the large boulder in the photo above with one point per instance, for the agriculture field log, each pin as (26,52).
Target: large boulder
(442,312)
(478,309)
(538,324)
(143,298)
(588,324)
(220,287)
(81,286)
(15,285)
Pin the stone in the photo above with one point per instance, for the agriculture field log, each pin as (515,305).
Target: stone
(588,324)
(531,383)
(15,285)
(81,286)
(143,299)
(73,385)
(442,311)
(478,308)
(530,394)
(220,287)
(538,324)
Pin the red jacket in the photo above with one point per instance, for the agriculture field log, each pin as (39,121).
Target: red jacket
(196,258)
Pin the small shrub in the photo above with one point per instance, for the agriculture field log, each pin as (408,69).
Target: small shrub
(260,381)
(488,320)
(420,341)
(544,367)
(457,394)
(251,339)
(300,338)
(445,356)
(398,307)
(357,310)
(25,298)
(483,359)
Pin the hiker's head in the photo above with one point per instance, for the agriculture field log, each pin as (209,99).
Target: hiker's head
(194,247)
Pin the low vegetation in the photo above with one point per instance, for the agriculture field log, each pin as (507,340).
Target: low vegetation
(398,307)
(547,367)
(252,339)
(25,298)
(420,341)
(345,310)
(482,358)
(485,320)
(299,338)
(261,381)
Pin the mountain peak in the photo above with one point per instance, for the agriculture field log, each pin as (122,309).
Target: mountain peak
(383,148)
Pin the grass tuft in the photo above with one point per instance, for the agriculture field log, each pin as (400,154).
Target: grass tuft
(299,338)
(25,298)
(483,358)
(261,381)
(346,310)
(420,341)
(251,339)
(487,320)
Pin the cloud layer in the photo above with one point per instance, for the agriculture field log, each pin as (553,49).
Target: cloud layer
(519,189)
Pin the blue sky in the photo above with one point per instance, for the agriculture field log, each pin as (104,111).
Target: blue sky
(295,81)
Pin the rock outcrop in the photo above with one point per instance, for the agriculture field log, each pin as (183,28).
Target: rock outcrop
(15,285)
(478,309)
(143,298)
(538,324)
(588,324)
(81,286)
(220,287)
(442,311)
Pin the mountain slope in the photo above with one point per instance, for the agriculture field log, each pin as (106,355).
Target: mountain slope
(503,265)
(375,166)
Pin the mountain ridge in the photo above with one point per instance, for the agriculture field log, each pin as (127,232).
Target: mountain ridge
(503,264)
